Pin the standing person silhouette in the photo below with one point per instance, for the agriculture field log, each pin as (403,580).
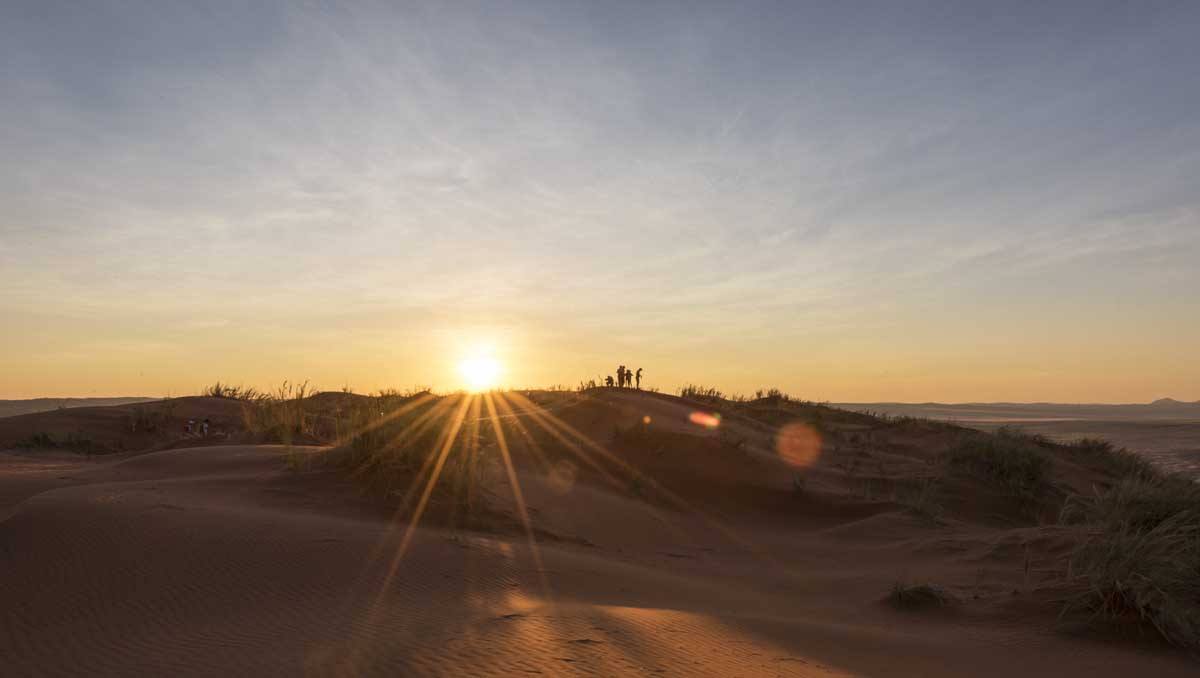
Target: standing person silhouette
(621,376)
(639,378)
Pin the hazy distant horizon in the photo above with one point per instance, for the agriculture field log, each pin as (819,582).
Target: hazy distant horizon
(671,392)
(901,201)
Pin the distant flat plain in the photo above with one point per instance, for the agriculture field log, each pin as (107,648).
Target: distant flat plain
(1166,431)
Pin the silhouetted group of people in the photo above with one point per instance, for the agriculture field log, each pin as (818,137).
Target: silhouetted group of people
(192,428)
(626,378)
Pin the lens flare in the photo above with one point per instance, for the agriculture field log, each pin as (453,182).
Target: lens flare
(798,444)
(705,419)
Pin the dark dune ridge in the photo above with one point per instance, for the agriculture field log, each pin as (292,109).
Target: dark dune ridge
(11,408)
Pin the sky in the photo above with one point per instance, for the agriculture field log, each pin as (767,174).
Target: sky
(900,201)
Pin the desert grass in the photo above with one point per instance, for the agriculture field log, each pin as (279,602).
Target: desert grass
(280,416)
(1118,461)
(394,443)
(152,418)
(918,596)
(1139,556)
(702,393)
(71,442)
(921,498)
(1012,463)
(232,392)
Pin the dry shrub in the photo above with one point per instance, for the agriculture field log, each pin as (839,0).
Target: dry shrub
(393,443)
(1140,559)
(918,596)
(698,392)
(280,416)
(1119,461)
(1013,463)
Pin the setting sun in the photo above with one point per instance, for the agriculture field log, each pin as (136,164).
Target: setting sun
(479,373)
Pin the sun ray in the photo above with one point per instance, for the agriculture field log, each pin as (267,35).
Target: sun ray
(464,481)
(679,501)
(518,496)
(537,417)
(416,402)
(373,609)
(415,520)
(535,448)
(418,426)
(541,417)
(348,666)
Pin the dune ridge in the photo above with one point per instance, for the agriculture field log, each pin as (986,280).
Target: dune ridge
(262,559)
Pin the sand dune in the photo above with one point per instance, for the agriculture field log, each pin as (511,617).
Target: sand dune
(12,408)
(221,560)
(1166,431)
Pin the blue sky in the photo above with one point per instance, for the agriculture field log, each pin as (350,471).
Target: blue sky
(906,201)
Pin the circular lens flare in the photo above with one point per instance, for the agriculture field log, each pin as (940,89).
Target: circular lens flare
(798,444)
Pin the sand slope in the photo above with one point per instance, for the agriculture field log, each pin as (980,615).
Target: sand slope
(221,560)
(122,428)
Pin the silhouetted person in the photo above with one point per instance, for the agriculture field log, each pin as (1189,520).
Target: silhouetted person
(204,428)
(621,376)
(638,376)
(608,381)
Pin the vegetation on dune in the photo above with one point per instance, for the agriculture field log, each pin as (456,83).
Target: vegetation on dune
(1118,461)
(921,498)
(231,392)
(280,416)
(71,442)
(698,392)
(1140,555)
(1012,462)
(1137,558)
(399,443)
(918,596)
(152,418)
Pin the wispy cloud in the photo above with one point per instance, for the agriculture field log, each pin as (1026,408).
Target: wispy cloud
(772,169)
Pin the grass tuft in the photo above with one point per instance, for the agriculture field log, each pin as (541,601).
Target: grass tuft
(698,392)
(280,416)
(1118,461)
(918,596)
(1140,558)
(1013,463)
(231,392)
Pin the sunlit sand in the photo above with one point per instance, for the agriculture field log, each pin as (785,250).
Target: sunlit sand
(610,532)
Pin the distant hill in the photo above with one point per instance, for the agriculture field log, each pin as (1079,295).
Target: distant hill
(12,408)
(1163,408)
(136,425)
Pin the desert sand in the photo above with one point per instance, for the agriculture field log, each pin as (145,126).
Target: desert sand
(726,559)
(1165,431)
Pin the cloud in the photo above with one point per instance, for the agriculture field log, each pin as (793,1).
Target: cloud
(721,167)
